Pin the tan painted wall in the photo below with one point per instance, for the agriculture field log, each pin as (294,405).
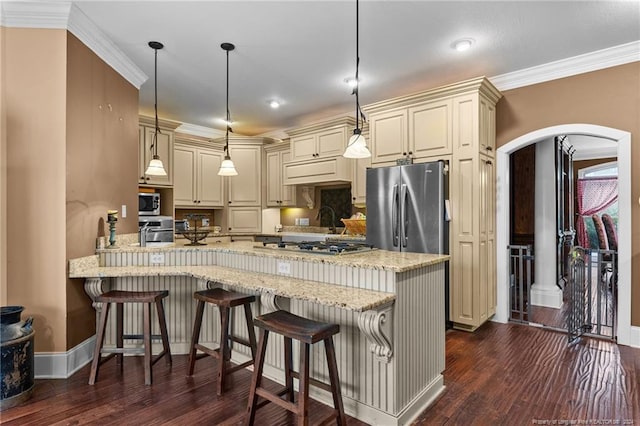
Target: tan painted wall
(3,176)
(69,161)
(102,167)
(609,97)
(35,77)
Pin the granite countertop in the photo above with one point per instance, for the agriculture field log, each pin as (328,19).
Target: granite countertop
(374,259)
(349,298)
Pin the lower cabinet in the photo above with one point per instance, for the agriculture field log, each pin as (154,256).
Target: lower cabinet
(244,219)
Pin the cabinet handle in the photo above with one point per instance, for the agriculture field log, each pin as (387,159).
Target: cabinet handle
(488,162)
(229,202)
(195,201)
(489,148)
(410,152)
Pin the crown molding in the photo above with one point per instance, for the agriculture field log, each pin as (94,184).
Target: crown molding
(65,15)
(194,129)
(593,61)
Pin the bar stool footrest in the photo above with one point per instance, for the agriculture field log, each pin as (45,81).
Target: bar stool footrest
(312,381)
(271,397)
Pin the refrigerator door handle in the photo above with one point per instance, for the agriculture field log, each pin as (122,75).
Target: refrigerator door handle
(394,216)
(405,221)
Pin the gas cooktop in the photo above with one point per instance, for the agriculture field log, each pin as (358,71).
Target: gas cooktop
(319,247)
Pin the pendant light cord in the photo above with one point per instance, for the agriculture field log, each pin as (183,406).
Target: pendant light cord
(226,146)
(359,115)
(154,144)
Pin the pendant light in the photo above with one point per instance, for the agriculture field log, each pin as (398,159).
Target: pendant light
(156,168)
(227,168)
(357,146)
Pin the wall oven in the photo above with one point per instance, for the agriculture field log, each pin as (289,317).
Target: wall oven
(148,204)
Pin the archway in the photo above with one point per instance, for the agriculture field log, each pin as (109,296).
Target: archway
(624,220)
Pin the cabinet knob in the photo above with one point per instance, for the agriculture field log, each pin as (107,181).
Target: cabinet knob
(229,228)
(489,148)
(410,152)
(195,201)
(404,153)
(229,202)
(488,162)
(354,198)
(142,177)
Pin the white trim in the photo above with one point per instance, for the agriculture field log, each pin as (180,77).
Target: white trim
(61,365)
(592,61)
(194,129)
(634,337)
(597,168)
(65,15)
(625,335)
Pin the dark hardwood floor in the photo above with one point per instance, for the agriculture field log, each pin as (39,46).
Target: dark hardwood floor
(503,374)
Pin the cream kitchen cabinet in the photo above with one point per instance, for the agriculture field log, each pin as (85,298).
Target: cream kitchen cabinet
(278,194)
(359,182)
(245,189)
(244,219)
(419,130)
(316,153)
(472,194)
(196,180)
(165,141)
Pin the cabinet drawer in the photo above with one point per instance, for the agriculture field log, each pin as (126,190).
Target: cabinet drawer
(333,169)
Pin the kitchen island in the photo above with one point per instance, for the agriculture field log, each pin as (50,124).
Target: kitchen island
(390,307)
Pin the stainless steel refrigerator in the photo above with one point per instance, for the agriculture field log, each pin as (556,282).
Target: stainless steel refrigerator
(406,208)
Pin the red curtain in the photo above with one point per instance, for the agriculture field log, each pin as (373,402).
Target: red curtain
(594,195)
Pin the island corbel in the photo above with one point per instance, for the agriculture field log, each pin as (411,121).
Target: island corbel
(371,324)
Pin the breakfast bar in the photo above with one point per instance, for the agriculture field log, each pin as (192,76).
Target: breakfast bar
(390,308)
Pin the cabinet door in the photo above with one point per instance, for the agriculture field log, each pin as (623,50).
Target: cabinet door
(184,184)
(303,147)
(210,186)
(246,189)
(331,143)
(359,182)
(487,128)
(430,129)
(245,219)
(388,136)
(274,177)
(165,152)
(288,192)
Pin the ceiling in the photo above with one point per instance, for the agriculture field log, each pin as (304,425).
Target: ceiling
(300,52)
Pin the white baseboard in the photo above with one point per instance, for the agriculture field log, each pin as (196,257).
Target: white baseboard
(61,365)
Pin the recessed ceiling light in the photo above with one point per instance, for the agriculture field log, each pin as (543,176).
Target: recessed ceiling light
(462,44)
(274,103)
(351,81)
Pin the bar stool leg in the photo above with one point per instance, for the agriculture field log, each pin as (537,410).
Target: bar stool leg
(288,367)
(146,338)
(335,381)
(119,333)
(223,351)
(248,316)
(95,364)
(195,337)
(256,380)
(166,349)
(303,390)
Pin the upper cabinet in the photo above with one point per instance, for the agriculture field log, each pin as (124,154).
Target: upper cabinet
(245,189)
(165,140)
(278,194)
(316,153)
(195,180)
(414,128)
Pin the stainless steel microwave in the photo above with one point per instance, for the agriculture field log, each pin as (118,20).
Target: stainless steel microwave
(148,204)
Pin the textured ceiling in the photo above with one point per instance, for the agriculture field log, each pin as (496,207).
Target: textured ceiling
(300,52)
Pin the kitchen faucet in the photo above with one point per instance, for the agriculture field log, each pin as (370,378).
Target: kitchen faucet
(333,217)
(143,234)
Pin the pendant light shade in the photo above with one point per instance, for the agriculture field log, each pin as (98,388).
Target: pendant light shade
(357,145)
(155,168)
(227,168)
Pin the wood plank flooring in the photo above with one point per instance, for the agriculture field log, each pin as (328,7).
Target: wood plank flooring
(503,374)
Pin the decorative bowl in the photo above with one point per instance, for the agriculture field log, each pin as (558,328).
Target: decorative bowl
(195,235)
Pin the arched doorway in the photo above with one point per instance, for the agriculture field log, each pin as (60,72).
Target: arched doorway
(624,224)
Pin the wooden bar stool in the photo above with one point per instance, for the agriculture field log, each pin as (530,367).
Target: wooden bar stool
(225,300)
(120,298)
(307,332)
